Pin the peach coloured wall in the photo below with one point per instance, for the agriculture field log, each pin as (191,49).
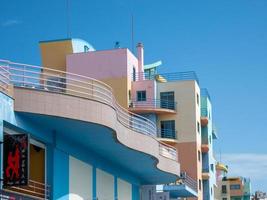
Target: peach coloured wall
(237,192)
(188,114)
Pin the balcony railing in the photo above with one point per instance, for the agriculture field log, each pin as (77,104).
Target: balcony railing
(34,189)
(168,151)
(165,77)
(167,133)
(186,180)
(4,77)
(153,104)
(55,81)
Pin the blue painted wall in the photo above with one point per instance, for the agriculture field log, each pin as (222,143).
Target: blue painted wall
(58,150)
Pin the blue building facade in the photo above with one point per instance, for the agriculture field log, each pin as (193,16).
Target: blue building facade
(208,134)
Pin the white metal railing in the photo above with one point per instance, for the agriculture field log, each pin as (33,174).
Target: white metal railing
(168,151)
(51,80)
(4,77)
(34,189)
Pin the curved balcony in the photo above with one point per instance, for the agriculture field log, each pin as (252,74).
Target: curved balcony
(157,106)
(65,101)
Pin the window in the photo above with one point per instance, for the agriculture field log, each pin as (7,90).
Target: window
(198,127)
(167,100)
(235,187)
(141,95)
(134,74)
(197,99)
(211,191)
(210,139)
(224,198)
(167,129)
(212,167)
(199,184)
(199,156)
(224,189)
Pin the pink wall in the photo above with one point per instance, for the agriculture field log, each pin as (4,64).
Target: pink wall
(99,64)
(147,85)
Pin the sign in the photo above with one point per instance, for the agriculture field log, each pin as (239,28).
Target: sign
(15,160)
(5,195)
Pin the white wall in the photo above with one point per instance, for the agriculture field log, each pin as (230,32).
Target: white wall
(124,190)
(104,185)
(80,179)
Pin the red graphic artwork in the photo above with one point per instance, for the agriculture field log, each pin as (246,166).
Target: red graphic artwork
(13,164)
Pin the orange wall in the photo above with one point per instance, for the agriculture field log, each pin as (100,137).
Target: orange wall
(53,53)
(236,192)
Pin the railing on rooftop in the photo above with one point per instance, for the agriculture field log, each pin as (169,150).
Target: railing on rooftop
(165,77)
(4,77)
(55,81)
(153,104)
(205,93)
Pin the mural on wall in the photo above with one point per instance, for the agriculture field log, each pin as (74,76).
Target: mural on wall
(16,150)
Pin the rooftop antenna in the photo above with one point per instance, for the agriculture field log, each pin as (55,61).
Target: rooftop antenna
(68,18)
(132,32)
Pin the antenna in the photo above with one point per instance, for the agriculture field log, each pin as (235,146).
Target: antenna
(132,33)
(68,17)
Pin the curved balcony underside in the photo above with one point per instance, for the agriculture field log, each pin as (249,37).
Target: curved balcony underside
(146,110)
(95,126)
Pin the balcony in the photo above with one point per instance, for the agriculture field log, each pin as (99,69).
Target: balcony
(204,117)
(166,77)
(157,106)
(168,136)
(34,190)
(205,148)
(186,186)
(63,101)
(205,173)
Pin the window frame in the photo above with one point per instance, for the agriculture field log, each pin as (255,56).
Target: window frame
(142,96)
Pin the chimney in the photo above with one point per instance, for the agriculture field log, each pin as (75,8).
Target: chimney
(140,57)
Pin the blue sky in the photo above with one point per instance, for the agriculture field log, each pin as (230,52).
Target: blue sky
(225,42)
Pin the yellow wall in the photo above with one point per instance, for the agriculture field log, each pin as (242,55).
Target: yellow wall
(37,164)
(53,53)
(120,89)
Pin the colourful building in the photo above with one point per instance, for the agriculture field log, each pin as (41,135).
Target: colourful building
(127,132)
(81,141)
(231,188)
(208,134)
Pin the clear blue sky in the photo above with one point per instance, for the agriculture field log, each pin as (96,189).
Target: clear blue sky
(225,42)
